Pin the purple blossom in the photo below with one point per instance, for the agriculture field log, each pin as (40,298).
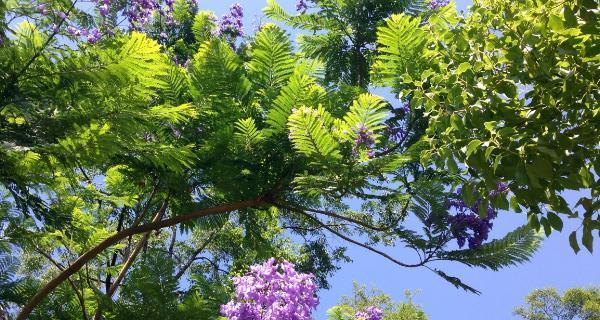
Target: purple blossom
(62,15)
(436,4)
(139,12)
(370,313)
(364,138)
(42,9)
(231,24)
(73,31)
(94,36)
(466,225)
(405,106)
(103,9)
(301,6)
(272,291)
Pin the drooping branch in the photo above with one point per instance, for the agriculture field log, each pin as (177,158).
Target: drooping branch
(341,217)
(360,244)
(114,239)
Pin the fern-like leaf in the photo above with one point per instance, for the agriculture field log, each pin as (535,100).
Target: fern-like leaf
(136,63)
(307,21)
(400,46)
(247,132)
(299,90)
(272,61)
(368,112)
(309,132)
(516,247)
(218,72)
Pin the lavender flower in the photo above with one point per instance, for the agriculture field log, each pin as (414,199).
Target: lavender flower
(231,24)
(103,9)
(301,6)
(272,291)
(139,12)
(436,4)
(62,15)
(370,313)
(73,31)
(466,225)
(94,36)
(42,9)
(364,138)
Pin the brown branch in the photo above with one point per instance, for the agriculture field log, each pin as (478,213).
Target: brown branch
(339,234)
(136,250)
(132,256)
(113,260)
(114,239)
(61,268)
(172,244)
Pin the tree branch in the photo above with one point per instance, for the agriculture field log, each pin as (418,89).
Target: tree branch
(193,257)
(61,268)
(381,253)
(129,262)
(114,239)
(341,217)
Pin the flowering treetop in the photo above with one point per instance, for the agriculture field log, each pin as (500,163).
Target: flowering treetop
(272,291)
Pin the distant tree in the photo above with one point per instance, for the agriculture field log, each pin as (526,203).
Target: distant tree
(367,303)
(548,304)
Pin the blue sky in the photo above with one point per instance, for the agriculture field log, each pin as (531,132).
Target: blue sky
(555,265)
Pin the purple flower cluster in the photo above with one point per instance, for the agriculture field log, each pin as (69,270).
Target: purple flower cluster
(301,6)
(272,291)
(436,4)
(467,225)
(370,313)
(397,133)
(364,138)
(139,12)
(92,35)
(231,24)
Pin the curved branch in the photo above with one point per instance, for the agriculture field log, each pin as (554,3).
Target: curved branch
(114,239)
(129,262)
(381,253)
(341,217)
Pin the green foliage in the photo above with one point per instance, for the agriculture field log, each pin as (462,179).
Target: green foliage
(548,304)
(100,138)
(362,298)
(343,33)
(516,247)
(511,92)
(310,133)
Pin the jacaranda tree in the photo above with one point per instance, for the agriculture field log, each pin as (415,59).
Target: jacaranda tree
(151,150)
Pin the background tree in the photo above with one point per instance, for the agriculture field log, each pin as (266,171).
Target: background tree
(363,301)
(342,33)
(548,304)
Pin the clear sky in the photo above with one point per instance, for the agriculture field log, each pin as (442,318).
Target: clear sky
(555,265)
